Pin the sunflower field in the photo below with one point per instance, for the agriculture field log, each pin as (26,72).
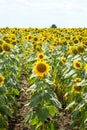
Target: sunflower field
(53,62)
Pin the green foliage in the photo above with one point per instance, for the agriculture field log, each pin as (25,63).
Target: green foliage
(10,68)
(43,103)
(77,102)
(53,26)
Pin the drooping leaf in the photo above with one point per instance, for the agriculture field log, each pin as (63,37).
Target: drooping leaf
(42,113)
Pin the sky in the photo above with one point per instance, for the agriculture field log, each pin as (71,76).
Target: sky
(43,13)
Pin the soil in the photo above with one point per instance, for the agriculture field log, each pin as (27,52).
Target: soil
(16,122)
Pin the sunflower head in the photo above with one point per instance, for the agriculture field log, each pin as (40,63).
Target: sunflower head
(76,88)
(41,68)
(77,65)
(1,80)
(77,80)
(14,42)
(29,37)
(73,49)
(64,42)
(76,40)
(6,47)
(85,67)
(12,36)
(8,40)
(40,56)
(35,38)
(63,60)
(38,48)
(80,48)
(5,37)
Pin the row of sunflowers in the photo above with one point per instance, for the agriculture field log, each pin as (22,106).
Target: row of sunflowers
(10,69)
(55,61)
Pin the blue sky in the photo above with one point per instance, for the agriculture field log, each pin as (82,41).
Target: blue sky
(43,13)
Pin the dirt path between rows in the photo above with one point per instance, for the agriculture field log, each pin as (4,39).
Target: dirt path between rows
(16,123)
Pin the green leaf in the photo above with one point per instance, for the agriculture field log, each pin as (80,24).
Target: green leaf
(42,113)
(35,120)
(32,88)
(11,99)
(32,80)
(15,91)
(13,59)
(14,69)
(56,103)
(72,72)
(45,47)
(35,100)
(29,117)
(52,110)
(3,123)
(70,105)
(49,82)
(46,96)
(36,86)
(85,121)
(5,110)
(51,126)
(2,55)
(53,98)
(38,125)
(2,90)
(2,100)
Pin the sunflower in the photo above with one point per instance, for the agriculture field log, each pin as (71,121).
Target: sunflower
(35,38)
(63,60)
(38,48)
(64,41)
(40,56)
(76,40)
(73,49)
(29,37)
(76,88)
(1,80)
(26,54)
(6,46)
(41,68)
(80,48)
(77,80)
(77,64)
(84,42)
(8,40)
(4,37)
(12,36)
(14,42)
(85,67)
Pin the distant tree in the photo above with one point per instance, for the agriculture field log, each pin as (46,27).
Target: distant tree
(53,26)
